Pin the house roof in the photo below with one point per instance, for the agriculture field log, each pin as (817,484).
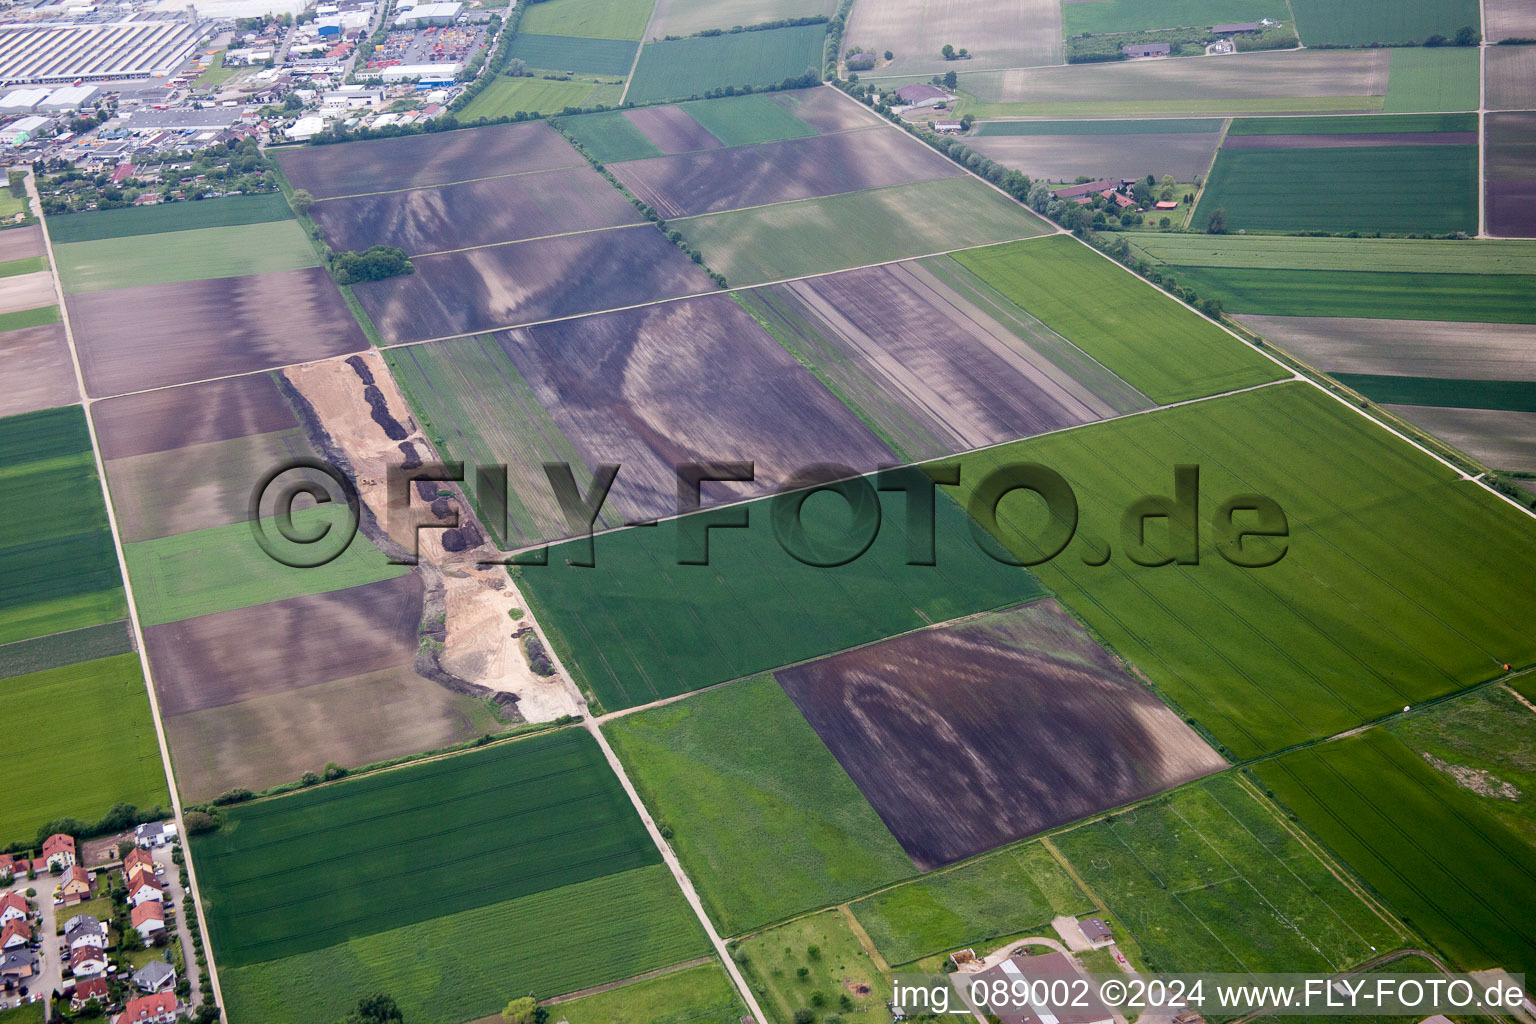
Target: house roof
(75,873)
(145,883)
(58,843)
(138,856)
(91,988)
(82,925)
(15,926)
(1095,929)
(1073,191)
(13,899)
(7,863)
(150,910)
(1167,204)
(154,828)
(1147,48)
(147,1006)
(154,973)
(16,959)
(84,955)
(920,91)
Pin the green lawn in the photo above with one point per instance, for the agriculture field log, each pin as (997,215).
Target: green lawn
(764,819)
(581,54)
(1137,15)
(599,19)
(1362,22)
(1483,743)
(696,995)
(506,96)
(609,136)
(1015,890)
(99,712)
(1433,78)
(1478,298)
(223,567)
(816,236)
(217,74)
(183,216)
(1159,347)
(1503,395)
(1443,862)
(470,964)
(1265,658)
(1293,252)
(193,255)
(29,318)
(323,866)
(747,120)
(1210,878)
(31,1013)
(771,962)
(1434,189)
(680,68)
(641,624)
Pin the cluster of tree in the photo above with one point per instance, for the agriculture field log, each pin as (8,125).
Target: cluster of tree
(118,819)
(834,42)
(1467,35)
(372,264)
(524,1010)
(375,1009)
(948,52)
(1275,37)
(1093,48)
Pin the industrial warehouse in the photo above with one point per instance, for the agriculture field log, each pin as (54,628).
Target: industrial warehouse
(42,53)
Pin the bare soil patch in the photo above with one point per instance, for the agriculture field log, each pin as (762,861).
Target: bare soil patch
(172,418)
(146,337)
(39,371)
(21,243)
(1512,72)
(1409,348)
(523,282)
(971,736)
(671,129)
(1511,171)
(475,213)
(27,291)
(823,165)
(414,161)
(1509,19)
(1503,440)
(1023,33)
(1065,157)
(1343,141)
(826,109)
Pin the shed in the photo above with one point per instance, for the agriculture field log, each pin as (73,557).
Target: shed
(1146,49)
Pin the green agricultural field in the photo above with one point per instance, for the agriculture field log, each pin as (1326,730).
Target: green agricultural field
(1363,22)
(1433,78)
(1156,345)
(1364,124)
(468,965)
(506,96)
(834,962)
(1434,189)
(1293,252)
(1016,890)
(680,68)
(1144,126)
(764,819)
(29,318)
(747,120)
(642,625)
(1439,859)
(323,866)
(185,216)
(1503,395)
(1481,742)
(1476,298)
(609,136)
(28,265)
(61,570)
(816,236)
(60,649)
(580,54)
(695,995)
(197,254)
(99,712)
(1265,658)
(1139,15)
(597,19)
(223,568)
(1213,878)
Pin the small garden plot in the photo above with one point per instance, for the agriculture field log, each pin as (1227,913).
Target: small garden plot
(133,339)
(1373,800)
(1016,890)
(763,818)
(41,373)
(582,54)
(1511,184)
(415,161)
(1367,22)
(682,68)
(475,213)
(1190,873)
(814,962)
(196,254)
(485,289)
(729,179)
(1023,699)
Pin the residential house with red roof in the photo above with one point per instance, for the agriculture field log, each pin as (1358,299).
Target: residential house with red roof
(59,850)
(85,961)
(148,917)
(146,888)
(157,1008)
(75,885)
(85,991)
(15,934)
(13,905)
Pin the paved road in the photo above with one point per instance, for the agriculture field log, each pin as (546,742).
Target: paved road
(172,880)
(52,972)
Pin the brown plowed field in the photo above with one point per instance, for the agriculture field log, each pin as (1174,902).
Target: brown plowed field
(672,129)
(682,382)
(133,339)
(27,291)
(161,421)
(475,213)
(823,165)
(971,736)
(235,656)
(1408,348)
(21,243)
(1511,169)
(39,373)
(1064,157)
(1509,19)
(1496,438)
(826,109)
(414,161)
(1511,74)
(1348,141)
(524,282)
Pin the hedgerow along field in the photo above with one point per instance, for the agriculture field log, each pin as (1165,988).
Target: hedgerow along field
(61,568)
(1382,21)
(1015,890)
(468,965)
(1157,346)
(1265,658)
(1374,802)
(323,867)
(764,820)
(683,68)
(641,625)
(98,711)
(1212,877)
(1340,189)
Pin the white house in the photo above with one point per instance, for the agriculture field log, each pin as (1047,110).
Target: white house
(155,976)
(13,907)
(156,833)
(144,891)
(84,930)
(148,918)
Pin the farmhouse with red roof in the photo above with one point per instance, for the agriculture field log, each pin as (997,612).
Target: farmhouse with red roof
(59,850)
(157,1008)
